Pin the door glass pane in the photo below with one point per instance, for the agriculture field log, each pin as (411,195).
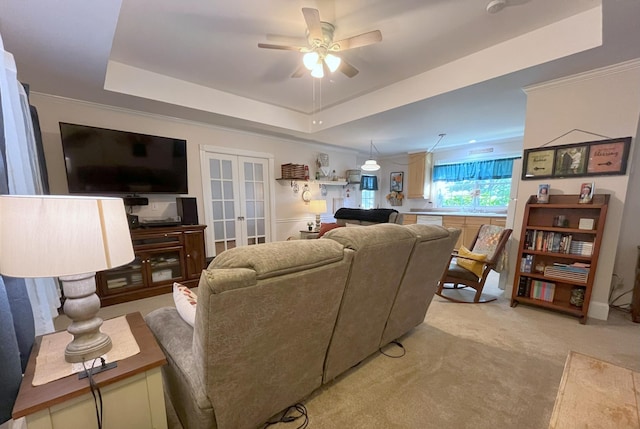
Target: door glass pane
(217,210)
(216,189)
(218,230)
(214,169)
(251,227)
(227,170)
(248,190)
(229,212)
(228,190)
(251,209)
(231,228)
(248,171)
(259,175)
(259,208)
(259,191)
(260,225)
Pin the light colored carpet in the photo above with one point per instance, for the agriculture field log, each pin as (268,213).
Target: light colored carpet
(468,366)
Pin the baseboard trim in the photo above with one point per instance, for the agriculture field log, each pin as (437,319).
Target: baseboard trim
(598,310)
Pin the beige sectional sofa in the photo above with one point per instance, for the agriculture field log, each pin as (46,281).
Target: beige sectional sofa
(276,321)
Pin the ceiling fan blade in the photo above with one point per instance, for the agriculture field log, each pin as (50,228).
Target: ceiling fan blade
(360,40)
(347,69)
(300,71)
(283,47)
(312,18)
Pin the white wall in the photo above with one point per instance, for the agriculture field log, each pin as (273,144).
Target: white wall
(291,212)
(606,102)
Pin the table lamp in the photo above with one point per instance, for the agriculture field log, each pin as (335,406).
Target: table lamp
(318,207)
(70,238)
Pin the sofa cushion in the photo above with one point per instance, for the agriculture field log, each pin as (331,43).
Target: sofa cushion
(474,263)
(185,301)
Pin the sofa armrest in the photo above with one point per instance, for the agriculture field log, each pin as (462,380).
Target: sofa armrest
(183,385)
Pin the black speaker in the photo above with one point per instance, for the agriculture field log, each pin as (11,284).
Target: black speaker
(187,210)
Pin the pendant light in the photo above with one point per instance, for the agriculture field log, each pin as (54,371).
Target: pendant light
(370,164)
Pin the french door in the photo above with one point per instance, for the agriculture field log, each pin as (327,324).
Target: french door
(237,197)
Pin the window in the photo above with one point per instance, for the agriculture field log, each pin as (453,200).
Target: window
(368,199)
(368,186)
(473,185)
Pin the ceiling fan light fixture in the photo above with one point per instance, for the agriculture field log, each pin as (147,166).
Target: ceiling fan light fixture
(370,165)
(310,59)
(332,62)
(318,70)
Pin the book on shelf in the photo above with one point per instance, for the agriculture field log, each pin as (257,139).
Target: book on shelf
(526,264)
(542,290)
(524,286)
(548,241)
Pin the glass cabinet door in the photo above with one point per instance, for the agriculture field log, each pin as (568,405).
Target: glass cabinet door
(123,278)
(165,265)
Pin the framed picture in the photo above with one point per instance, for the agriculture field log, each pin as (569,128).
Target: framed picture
(596,158)
(586,192)
(543,193)
(538,163)
(396,181)
(570,161)
(608,157)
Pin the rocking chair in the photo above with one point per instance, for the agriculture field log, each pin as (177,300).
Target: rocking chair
(471,268)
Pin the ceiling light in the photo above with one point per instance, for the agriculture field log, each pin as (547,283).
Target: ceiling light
(332,62)
(370,164)
(310,59)
(318,70)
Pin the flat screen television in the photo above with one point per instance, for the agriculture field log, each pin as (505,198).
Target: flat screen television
(104,161)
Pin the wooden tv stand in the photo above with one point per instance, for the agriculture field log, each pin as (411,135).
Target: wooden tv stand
(163,255)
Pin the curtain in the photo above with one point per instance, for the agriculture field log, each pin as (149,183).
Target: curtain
(369,183)
(479,170)
(24,177)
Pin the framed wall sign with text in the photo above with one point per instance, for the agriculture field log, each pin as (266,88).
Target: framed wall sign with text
(538,163)
(596,158)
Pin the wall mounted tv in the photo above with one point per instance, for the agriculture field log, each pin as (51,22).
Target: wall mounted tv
(104,161)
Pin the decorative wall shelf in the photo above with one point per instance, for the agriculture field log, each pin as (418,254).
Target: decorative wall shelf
(319,182)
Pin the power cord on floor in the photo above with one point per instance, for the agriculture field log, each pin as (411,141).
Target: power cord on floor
(95,390)
(397,343)
(289,415)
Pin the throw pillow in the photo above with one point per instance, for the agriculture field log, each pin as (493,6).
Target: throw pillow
(326,227)
(474,263)
(185,301)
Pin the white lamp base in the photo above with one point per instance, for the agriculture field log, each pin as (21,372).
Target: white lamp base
(81,306)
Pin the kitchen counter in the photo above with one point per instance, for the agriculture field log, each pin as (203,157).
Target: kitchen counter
(452,213)
(468,222)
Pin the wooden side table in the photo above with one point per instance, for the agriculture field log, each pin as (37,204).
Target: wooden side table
(132,393)
(308,234)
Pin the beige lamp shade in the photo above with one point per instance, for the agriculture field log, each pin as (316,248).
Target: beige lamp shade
(318,206)
(60,235)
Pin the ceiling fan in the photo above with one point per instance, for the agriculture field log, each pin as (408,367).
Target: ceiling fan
(320,54)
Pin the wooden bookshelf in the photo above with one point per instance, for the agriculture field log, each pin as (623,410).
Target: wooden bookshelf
(557,259)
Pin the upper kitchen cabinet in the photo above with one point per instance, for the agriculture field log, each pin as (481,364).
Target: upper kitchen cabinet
(419,180)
